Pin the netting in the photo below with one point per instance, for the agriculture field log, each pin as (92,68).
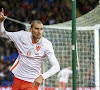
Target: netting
(60,36)
(61,39)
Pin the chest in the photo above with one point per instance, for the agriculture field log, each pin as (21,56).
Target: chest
(30,49)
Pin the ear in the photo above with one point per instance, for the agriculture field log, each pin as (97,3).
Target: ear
(30,29)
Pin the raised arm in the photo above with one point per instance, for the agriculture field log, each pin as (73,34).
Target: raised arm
(2,18)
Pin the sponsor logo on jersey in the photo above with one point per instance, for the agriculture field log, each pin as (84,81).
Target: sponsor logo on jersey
(36,53)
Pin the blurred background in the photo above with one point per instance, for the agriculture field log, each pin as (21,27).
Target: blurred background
(48,11)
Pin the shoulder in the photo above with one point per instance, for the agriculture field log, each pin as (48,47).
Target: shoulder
(46,41)
(64,69)
(23,33)
(47,45)
(68,70)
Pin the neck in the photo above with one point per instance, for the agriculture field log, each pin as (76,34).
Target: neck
(35,40)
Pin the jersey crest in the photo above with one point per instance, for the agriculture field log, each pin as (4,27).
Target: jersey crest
(37,48)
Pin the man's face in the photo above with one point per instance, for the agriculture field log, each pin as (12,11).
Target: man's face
(37,30)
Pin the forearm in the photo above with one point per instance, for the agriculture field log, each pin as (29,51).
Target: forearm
(53,70)
(53,61)
(2,29)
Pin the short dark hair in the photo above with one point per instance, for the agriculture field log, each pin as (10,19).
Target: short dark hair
(35,21)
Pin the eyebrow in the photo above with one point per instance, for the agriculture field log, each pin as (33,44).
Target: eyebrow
(38,28)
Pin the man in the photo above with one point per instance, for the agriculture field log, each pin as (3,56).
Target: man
(32,49)
(62,78)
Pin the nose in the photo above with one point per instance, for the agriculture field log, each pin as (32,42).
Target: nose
(39,31)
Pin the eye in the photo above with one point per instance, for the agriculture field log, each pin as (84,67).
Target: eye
(37,28)
(41,28)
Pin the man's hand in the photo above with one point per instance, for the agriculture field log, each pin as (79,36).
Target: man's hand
(38,81)
(2,17)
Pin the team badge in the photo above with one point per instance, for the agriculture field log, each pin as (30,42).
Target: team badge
(37,48)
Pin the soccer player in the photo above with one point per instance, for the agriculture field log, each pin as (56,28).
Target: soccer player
(62,78)
(32,49)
